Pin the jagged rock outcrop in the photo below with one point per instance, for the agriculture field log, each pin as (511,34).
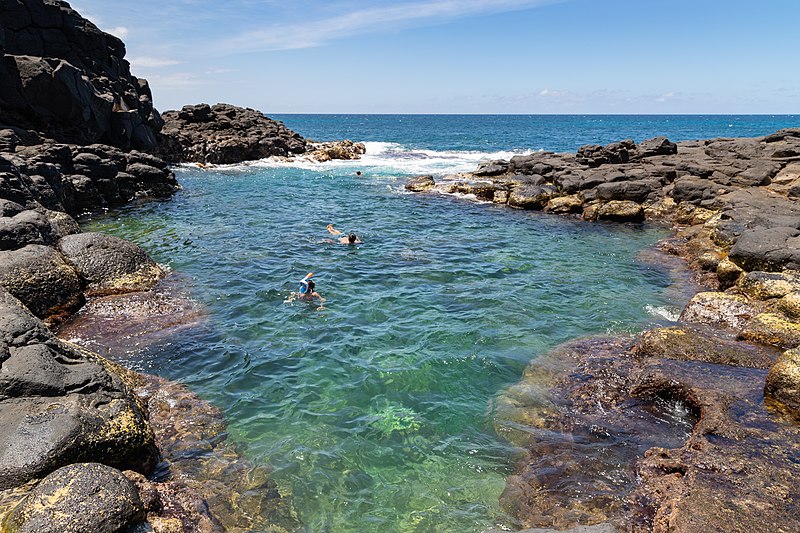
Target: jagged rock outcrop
(223,134)
(78,179)
(62,76)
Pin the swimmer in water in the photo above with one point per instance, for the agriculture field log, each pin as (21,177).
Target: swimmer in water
(351,238)
(306,292)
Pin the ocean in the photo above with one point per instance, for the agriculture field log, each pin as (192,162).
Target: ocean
(376,410)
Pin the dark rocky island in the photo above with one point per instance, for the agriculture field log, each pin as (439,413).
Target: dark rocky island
(686,428)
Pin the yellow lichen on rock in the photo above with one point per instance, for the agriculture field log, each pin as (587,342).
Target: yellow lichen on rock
(790,305)
(564,204)
(766,285)
(783,380)
(774,329)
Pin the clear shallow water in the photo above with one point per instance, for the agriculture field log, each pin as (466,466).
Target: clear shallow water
(377,411)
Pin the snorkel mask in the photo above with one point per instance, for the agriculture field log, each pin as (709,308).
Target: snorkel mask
(303,289)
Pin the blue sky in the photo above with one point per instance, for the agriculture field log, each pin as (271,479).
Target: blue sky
(463,56)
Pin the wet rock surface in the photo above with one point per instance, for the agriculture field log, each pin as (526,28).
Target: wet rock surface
(119,325)
(224,134)
(615,435)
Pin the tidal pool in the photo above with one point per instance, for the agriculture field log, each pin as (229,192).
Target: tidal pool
(377,411)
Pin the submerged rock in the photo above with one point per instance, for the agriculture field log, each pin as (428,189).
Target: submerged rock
(192,435)
(648,444)
(117,325)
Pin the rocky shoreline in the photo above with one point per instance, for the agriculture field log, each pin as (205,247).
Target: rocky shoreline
(86,444)
(687,428)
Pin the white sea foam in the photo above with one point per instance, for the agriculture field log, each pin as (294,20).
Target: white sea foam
(667,313)
(381,158)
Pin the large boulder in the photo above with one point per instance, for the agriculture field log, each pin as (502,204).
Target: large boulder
(60,404)
(39,276)
(64,77)
(84,497)
(108,264)
(655,146)
(766,285)
(621,211)
(767,249)
(718,309)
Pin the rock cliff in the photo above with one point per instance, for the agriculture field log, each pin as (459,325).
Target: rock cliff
(62,76)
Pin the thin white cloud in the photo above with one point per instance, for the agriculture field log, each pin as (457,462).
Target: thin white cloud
(370,20)
(152,62)
(120,31)
(666,97)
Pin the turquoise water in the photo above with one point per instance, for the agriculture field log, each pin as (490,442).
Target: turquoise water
(376,411)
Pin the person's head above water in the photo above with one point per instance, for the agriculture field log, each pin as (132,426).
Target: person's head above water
(306,284)
(352,238)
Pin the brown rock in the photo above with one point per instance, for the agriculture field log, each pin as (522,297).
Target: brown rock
(766,285)
(773,329)
(790,305)
(420,184)
(565,204)
(783,380)
(621,211)
(720,309)
(684,343)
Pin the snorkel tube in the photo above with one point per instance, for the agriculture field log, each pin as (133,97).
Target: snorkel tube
(304,283)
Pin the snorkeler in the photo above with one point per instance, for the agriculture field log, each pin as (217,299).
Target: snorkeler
(351,238)
(306,291)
